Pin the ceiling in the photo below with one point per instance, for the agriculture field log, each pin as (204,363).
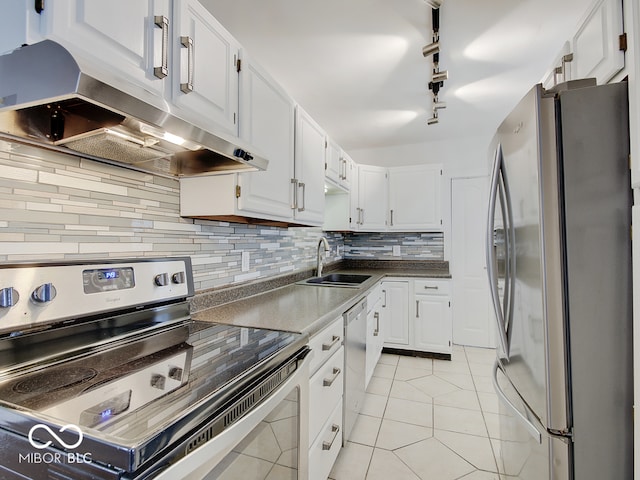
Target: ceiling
(357,67)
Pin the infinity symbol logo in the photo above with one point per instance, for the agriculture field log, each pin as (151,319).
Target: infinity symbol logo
(36,444)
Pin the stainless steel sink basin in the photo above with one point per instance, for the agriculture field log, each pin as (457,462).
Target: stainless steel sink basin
(337,280)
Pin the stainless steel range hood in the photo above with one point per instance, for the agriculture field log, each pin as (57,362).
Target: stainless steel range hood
(47,98)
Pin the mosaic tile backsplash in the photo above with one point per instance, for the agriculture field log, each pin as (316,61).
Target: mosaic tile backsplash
(379,246)
(55,206)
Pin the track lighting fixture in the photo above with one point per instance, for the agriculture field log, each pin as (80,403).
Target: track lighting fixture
(433,3)
(440,77)
(431,49)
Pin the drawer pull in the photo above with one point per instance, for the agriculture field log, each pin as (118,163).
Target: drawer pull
(428,287)
(327,382)
(376,315)
(335,429)
(328,346)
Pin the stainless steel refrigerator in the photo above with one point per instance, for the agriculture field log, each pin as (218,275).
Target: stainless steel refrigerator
(559,263)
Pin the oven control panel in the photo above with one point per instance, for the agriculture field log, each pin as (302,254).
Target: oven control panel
(36,294)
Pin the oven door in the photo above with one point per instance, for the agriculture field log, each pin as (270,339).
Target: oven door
(272,438)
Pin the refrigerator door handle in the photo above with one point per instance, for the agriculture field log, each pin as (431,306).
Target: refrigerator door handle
(510,253)
(491,260)
(530,427)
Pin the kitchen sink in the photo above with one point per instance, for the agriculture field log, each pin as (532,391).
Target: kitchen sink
(337,280)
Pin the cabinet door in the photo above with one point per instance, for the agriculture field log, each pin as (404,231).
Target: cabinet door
(267,123)
(348,170)
(354,198)
(372,198)
(373,341)
(596,48)
(432,324)
(119,36)
(309,169)
(414,198)
(334,162)
(395,300)
(205,77)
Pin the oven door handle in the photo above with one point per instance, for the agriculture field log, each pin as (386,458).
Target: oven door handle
(203,459)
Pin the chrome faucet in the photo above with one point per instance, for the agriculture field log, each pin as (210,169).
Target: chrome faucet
(322,241)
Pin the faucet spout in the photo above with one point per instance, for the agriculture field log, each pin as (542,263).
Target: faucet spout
(323,242)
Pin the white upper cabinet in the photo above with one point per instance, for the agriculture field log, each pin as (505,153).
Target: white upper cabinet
(414,198)
(596,46)
(382,199)
(371,209)
(338,166)
(348,171)
(334,162)
(130,37)
(205,76)
(309,170)
(267,123)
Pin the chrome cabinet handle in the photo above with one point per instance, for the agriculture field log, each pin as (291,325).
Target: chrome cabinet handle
(376,332)
(294,201)
(328,346)
(530,427)
(335,429)
(392,217)
(429,287)
(327,382)
(417,308)
(384,304)
(187,42)
(163,70)
(304,196)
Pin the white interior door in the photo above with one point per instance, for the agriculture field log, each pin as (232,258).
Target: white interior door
(471,321)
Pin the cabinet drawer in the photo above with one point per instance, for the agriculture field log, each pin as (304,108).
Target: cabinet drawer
(325,391)
(325,344)
(324,451)
(432,287)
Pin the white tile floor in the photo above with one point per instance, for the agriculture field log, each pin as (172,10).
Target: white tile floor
(426,419)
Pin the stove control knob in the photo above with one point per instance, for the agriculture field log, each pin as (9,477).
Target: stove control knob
(8,297)
(44,293)
(178,277)
(162,279)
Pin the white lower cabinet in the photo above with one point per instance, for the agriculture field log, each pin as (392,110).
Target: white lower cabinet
(324,451)
(395,307)
(326,388)
(418,315)
(375,331)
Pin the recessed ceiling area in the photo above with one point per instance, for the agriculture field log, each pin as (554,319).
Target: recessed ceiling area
(357,66)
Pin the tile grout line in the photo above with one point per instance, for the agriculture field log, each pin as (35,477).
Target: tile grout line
(484,418)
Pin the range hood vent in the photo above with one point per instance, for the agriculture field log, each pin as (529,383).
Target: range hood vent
(47,99)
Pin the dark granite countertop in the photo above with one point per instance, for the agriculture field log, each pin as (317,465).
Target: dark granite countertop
(283,304)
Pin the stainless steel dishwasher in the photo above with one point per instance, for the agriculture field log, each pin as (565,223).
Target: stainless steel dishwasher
(355,331)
